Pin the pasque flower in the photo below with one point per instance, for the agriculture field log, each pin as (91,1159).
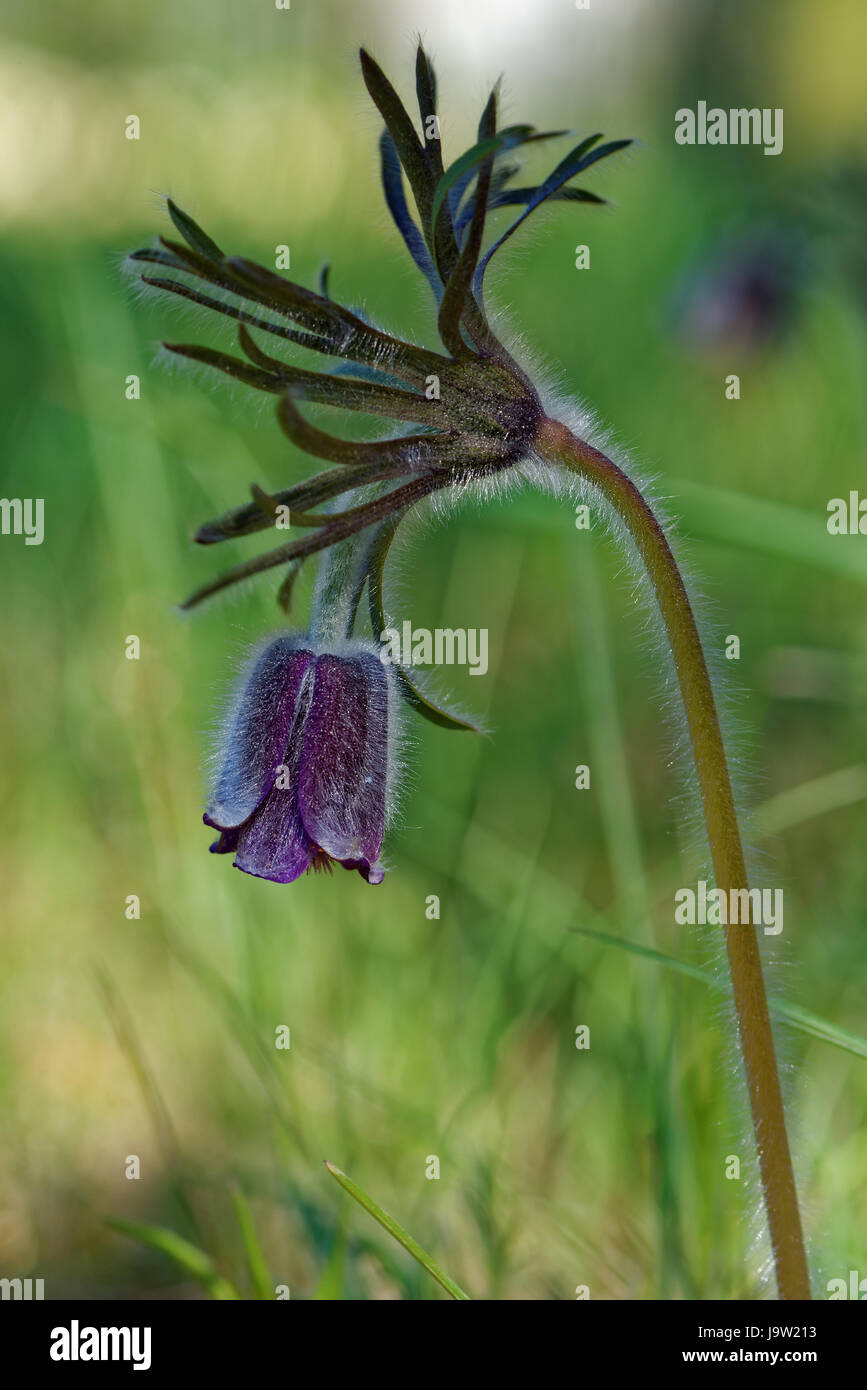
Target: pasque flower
(304,774)
(306,758)
(466,414)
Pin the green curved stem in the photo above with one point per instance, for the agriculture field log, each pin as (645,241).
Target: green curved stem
(557,444)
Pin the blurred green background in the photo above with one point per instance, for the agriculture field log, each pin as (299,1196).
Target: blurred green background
(413,1037)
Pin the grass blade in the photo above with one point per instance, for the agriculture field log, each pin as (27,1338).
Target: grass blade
(801,1019)
(403,1238)
(188,1257)
(261,1279)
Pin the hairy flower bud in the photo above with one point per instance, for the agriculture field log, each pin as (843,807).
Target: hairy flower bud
(305,764)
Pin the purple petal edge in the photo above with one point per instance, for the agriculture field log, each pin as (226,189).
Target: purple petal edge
(256,742)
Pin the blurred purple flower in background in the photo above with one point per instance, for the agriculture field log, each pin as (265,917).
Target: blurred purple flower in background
(305,756)
(743,294)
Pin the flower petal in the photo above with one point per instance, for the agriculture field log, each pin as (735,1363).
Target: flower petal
(274,844)
(344,758)
(371,873)
(259,731)
(228,841)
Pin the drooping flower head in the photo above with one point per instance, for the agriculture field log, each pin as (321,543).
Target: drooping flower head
(304,778)
(305,768)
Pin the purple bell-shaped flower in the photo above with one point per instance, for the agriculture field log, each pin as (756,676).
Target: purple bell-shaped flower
(305,762)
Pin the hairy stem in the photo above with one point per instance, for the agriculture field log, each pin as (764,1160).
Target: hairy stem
(557,444)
